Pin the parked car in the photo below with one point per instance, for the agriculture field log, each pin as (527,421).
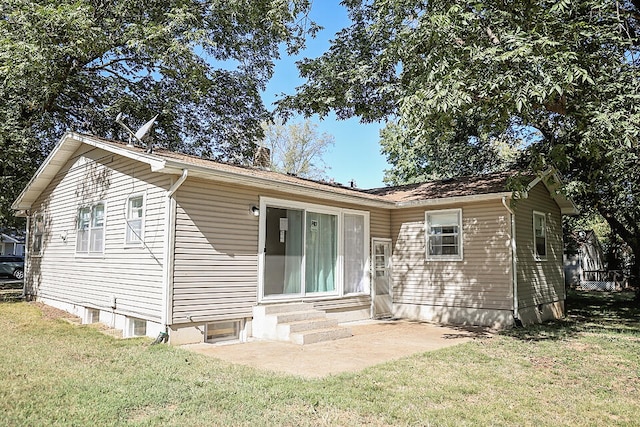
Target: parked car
(12,266)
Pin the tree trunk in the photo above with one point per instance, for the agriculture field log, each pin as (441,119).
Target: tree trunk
(634,280)
(633,240)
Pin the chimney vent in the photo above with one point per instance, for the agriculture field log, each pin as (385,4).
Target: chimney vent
(262,158)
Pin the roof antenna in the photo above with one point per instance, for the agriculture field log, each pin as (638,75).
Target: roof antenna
(141,134)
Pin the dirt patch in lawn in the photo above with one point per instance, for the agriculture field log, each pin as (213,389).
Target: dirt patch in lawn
(53,313)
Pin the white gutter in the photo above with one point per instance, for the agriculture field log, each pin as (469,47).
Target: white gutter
(452,200)
(365,199)
(514,260)
(178,183)
(169,253)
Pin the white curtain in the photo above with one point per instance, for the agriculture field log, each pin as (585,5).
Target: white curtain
(321,252)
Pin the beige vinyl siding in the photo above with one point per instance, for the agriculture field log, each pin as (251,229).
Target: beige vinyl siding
(481,280)
(216,250)
(216,246)
(539,282)
(132,274)
(380,222)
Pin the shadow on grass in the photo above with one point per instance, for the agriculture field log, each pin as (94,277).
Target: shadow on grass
(588,312)
(468,331)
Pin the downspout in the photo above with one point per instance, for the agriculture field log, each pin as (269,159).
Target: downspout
(514,263)
(169,252)
(27,258)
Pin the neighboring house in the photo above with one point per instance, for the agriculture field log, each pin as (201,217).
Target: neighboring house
(11,244)
(585,264)
(155,242)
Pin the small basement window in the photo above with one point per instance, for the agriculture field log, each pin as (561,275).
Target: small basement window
(222,331)
(92,315)
(137,327)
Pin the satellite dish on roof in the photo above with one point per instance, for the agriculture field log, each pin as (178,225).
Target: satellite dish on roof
(141,134)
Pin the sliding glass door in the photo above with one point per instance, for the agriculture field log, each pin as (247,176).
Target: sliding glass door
(311,250)
(321,252)
(283,252)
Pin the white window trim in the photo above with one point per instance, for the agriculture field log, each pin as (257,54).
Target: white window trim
(546,236)
(88,253)
(239,326)
(130,327)
(137,243)
(460,255)
(339,212)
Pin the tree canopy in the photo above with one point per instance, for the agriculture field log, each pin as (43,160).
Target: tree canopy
(456,73)
(297,148)
(77,64)
(418,160)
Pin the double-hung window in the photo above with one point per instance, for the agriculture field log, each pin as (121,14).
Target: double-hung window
(90,230)
(540,235)
(135,220)
(443,231)
(38,234)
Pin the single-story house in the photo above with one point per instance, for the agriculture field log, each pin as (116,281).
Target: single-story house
(160,242)
(11,244)
(585,263)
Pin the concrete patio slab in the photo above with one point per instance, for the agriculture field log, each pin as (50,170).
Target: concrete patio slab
(372,343)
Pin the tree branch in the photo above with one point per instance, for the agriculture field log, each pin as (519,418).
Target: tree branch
(108,64)
(618,227)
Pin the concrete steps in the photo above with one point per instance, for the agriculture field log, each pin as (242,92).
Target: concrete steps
(313,336)
(299,323)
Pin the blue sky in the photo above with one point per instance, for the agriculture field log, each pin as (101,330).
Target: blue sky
(356,153)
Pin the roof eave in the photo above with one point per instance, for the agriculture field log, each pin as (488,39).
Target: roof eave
(60,155)
(453,200)
(567,206)
(47,170)
(176,167)
(9,239)
(153,161)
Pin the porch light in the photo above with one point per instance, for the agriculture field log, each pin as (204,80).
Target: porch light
(254,210)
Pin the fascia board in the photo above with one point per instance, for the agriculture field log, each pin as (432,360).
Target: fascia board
(60,155)
(48,169)
(175,167)
(151,160)
(8,239)
(453,200)
(567,206)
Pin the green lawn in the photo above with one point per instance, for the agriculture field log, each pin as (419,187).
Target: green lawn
(582,371)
